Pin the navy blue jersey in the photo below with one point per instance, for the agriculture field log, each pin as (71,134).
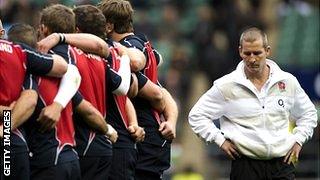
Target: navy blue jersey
(147,116)
(56,145)
(18,141)
(116,114)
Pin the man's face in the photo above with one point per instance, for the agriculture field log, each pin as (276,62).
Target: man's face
(254,56)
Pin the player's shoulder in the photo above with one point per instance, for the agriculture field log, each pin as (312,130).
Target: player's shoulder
(226,79)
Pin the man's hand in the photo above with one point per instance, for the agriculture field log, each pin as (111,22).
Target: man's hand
(137,133)
(230,149)
(122,50)
(168,130)
(292,155)
(50,116)
(112,134)
(49,42)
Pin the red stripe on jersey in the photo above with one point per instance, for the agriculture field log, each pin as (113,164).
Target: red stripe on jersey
(12,72)
(151,71)
(120,100)
(48,88)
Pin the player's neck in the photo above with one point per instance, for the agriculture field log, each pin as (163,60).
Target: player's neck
(117,37)
(259,79)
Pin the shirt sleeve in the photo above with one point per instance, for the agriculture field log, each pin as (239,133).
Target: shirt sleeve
(76,99)
(30,82)
(208,108)
(113,79)
(37,63)
(305,115)
(142,80)
(64,51)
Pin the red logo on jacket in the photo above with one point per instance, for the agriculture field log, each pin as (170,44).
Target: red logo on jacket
(282,86)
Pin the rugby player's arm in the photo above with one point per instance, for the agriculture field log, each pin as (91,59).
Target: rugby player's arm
(24,107)
(136,132)
(151,92)
(170,113)
(92,116)
(137,59)
(59,67)
(84,41)
(44,64)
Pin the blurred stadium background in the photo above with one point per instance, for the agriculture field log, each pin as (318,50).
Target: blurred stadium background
(199,42)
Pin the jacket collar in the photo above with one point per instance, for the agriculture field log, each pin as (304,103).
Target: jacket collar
(276,74)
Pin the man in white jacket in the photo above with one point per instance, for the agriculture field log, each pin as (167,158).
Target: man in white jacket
(254,104)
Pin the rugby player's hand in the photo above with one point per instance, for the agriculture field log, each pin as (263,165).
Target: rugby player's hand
(48,42)
(49,116)
(230,149)
(137,133)
(122,50)
(293,154)
(112,134)
(168,130)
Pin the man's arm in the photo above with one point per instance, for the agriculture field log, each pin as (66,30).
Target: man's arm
(133,90)
(153,93)
(95,120)
(170,113)
(124,72)
(134,129)
(137,59)
(69,85)
(86,42)
(24,107)
(59,67)
(44,64)
(305,114)
(210,106)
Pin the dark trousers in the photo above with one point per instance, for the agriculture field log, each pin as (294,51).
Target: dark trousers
(250,169)
(153,160)
(19,167)
(95,168)
(123,164)
(63,171)
(147,175)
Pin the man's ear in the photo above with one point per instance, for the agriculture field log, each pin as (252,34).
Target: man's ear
(268,50)
(240,51)
(109,27)
(78,30)
(44,30)
(2,32)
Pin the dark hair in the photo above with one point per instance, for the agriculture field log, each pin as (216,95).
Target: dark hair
(90,19)
(119,13)
(58,18)
(23,33)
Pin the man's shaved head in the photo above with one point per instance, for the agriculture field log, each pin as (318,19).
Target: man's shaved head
(253,34)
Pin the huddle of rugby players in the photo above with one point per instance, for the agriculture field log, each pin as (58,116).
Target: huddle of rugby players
(84,97)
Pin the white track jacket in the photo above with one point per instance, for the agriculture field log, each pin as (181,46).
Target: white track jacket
(256,122)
